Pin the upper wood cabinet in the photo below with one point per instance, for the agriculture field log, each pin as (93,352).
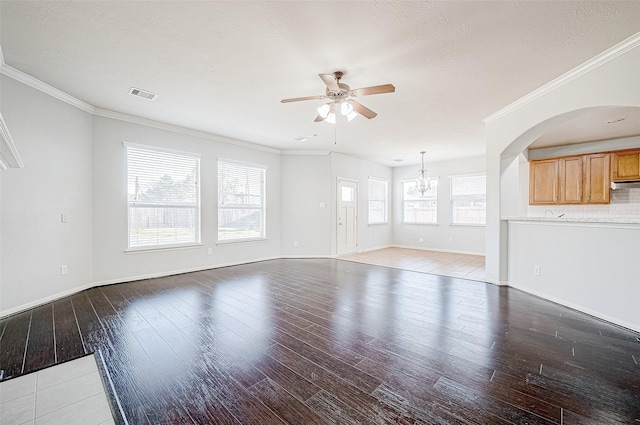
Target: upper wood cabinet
(583,179)
(570,179)
(597,182)
(543,182)
(625,165)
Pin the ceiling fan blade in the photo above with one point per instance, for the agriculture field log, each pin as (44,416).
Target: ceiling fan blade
(365,91)
(318,119)
(298,99)
(361,109)
(330,81)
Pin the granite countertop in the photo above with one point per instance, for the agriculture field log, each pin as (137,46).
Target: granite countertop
(565,219)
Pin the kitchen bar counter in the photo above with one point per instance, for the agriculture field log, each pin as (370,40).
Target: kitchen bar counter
(576,220)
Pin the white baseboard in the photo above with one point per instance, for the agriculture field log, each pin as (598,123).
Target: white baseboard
(632,326)
(44,300)
(423,248)
(73,291)
(374,248)
(300,257)
(496,282)
(50,298)
(175,272)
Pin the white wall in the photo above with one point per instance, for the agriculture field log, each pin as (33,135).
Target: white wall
(111,263)
(370,236)
(306,183)
(443,236)
(590,268)
(54,141)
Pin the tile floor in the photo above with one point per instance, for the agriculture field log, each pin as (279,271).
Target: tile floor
(465,266)
(67,394)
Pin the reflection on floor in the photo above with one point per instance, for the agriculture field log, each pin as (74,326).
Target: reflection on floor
(326,341)
(435,262)
(67,394)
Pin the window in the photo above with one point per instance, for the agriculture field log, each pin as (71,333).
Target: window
(241,212)
(418,209)
(163,197)
(469,200)
(378,195)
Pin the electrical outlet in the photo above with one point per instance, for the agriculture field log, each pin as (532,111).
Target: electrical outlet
(450,239)
(421,240)
(63,218)
(536,270)
(63,270)
(210,251)
(295,243)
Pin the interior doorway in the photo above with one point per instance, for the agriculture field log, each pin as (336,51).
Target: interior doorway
(347,222)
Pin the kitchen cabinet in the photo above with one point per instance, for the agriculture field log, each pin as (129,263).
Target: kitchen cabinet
(580,179)
(597,178)
(543,182)
(625,165)
(570,175)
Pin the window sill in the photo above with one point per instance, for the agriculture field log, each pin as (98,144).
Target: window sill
(240,241)
(377,224)
(421,224)
(161,248)
(467,225)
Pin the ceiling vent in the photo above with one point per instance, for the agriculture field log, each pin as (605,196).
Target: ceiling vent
(143,93)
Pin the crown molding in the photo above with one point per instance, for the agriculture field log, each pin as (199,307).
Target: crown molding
(588,66)
(9,156)
(30,81)
(178,129)
(301,152)
(44,87)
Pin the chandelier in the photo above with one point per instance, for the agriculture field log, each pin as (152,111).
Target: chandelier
(423,184)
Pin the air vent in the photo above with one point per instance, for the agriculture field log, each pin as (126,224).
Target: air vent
(143,93)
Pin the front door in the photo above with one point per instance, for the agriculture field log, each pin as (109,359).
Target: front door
(347,217)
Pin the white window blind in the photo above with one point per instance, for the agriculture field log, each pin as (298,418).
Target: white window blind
(417,209)
(241,201)
(163,197)
(378,198)
(469,200)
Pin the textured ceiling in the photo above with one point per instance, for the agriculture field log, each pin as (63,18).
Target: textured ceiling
(222,67)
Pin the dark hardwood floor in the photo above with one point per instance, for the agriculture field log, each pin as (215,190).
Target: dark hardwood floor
(335,342)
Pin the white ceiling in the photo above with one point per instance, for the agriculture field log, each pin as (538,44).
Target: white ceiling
(222,67)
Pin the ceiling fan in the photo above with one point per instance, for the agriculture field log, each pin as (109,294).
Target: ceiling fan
(341,96)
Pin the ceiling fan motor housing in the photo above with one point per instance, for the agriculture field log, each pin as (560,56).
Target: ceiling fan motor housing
(339,95)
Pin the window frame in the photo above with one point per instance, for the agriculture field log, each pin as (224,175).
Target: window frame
(434,198)
(452,199)
(263,199)
(197,207)
(385,201)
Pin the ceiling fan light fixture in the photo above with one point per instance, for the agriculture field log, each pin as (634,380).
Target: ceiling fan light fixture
(323,110)
(346,108)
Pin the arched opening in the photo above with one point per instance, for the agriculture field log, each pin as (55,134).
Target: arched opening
(586,265)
